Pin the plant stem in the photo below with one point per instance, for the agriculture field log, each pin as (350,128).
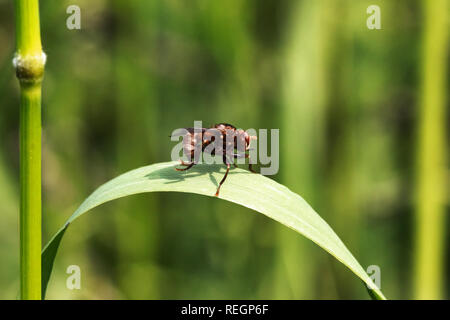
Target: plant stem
(30,192)
(431,157)
(29,62)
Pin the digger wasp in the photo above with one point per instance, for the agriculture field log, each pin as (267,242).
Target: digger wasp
(229,142)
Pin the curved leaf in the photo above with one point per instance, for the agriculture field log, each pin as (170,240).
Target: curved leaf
(251,190)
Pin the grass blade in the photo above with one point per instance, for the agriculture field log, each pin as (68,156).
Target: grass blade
(251,190)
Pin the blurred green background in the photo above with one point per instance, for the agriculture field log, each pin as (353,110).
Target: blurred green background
(364,137)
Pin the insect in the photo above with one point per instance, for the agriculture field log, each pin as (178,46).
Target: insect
(201,139)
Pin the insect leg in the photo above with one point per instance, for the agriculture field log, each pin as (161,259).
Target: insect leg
(226,159)
(246,156)
(236,156)
(187,165)
(223,179)
(250,164)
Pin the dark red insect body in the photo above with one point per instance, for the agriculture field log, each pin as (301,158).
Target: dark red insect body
(201,139)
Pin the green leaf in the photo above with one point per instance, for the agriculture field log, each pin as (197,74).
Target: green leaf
(251,190)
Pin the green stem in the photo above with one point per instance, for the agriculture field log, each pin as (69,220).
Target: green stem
(29,62)
(30,192)
(431,157)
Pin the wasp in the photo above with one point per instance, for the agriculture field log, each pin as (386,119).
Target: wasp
(225,139)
